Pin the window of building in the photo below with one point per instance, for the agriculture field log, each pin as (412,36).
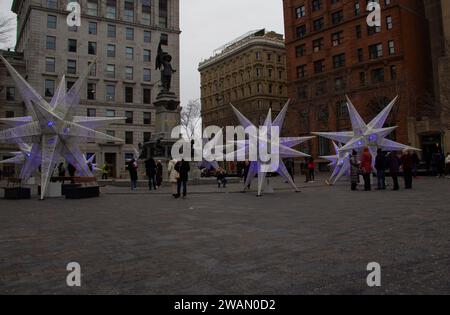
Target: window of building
(375,51)
(49,88)
(52,4)
(300,31)
(10,93)
(111,9)
(391,46)
(321,88)
(371,30)
(72,45)
(111,50)
(147,36)
(50,64)
(147,96)
(360,53)
(337,38)
(69,85)
(92,30)
(300,11)
(378,75)
(146,12)
(337,17)
(111,71)
(147,137)
(357,9)
(147,55)
(358,31)
(51,42)
(129,137)
(9,114)
(163,13)
(300,50)
(110,113)
(319,66)
(339,84)
(91,91)
(51,21)
(111,31)
(128,117)
(110,93)
(92,48)
(129,52)
(129,73)
(164,39)
(147,118)
(324,144)
(301,71)
(147,73)
(71,66)
(393,72)
(318,24)
(128,14)
(91,112)
(317,44)
(316,5)
(128,94)
(93,71)
(362,78)
(129,33)
(92,7)
(389,22)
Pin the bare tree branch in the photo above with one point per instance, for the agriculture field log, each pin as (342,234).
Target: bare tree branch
(191,115)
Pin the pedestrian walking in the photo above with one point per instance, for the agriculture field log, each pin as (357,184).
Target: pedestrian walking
(311,169)
(245,174)
(105,171)
(366,168)
(159,173)
(354,170)
(173,176)
(132,167)
(150,171)
(380,166)
(222,178)
(394,166)
(290,166)
(183,169)
(416,162)
(407,166)
(441,164)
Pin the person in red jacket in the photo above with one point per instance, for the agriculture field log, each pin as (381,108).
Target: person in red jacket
(311,169)
(366,168)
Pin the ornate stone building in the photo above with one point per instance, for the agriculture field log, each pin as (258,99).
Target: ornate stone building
(331,52)
(250,73)
(123,37)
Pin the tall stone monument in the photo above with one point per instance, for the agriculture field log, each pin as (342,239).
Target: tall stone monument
(167,111)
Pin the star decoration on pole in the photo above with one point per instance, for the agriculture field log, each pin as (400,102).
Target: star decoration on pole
(51,129)
(285,149)
(340,162)
(372,135)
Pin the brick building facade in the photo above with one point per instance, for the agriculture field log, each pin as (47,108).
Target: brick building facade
(332,52)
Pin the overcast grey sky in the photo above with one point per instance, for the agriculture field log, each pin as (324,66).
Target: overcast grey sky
(207,25)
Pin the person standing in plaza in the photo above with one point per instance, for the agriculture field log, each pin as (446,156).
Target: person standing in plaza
(173,176)
(61,170)
(416,162)
(407,166)
(311,169)
(159,173)
(394,165)
(183,169)
(221,178)
(441,164)
(245,175)
(150,170)
(290,166)
(132,167)
(380,166)
(366,168)
(354,170)
(105,170)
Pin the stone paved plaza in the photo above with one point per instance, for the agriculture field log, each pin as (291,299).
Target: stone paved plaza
(315,242)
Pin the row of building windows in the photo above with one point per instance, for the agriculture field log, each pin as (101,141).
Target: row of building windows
(129,10)
(340,83)
(110,92)
(110,70)
(318,25)
(129,138)
(375,52)
(317,5)
(129,115)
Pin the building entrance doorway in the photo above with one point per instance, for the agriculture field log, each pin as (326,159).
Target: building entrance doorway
(431,144)
(111,162)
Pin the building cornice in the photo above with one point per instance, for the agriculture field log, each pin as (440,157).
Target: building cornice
(243,45)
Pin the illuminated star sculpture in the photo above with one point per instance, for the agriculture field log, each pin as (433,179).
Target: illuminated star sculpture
(51,129)
(285,149)
(372,135)
(340,162)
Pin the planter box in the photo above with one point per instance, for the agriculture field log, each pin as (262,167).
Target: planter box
(17,193)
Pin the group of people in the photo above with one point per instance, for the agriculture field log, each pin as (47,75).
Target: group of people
(153,170)
(440,165)
(178,172)
(407,162)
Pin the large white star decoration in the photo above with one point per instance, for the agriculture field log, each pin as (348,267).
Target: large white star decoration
(340,162)
(285,149)
(51,129)
(372,135)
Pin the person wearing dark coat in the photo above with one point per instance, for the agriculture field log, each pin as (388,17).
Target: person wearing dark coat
(150,171)
(245,175)
(407,166)
(183,169)
(159,173)
(380,166)
(132,167)
(394,165)
(354,170)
